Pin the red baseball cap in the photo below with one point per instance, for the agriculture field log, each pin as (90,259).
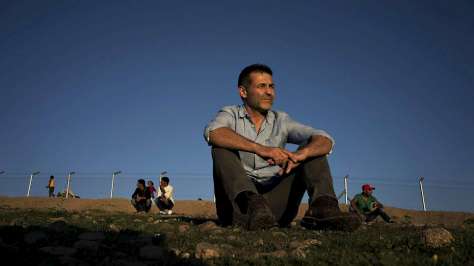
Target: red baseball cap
(366,187)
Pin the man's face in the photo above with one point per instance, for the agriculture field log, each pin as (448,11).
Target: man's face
(368,192)
(163,183)
(140,186)
(260,93)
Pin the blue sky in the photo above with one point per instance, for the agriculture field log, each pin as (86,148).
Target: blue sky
(95,86)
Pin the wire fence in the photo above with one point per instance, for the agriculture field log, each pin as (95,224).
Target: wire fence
(440,194)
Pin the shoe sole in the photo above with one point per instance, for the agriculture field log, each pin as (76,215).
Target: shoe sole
(339,223)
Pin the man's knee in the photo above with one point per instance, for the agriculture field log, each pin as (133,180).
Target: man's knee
(320,162)
(219,153)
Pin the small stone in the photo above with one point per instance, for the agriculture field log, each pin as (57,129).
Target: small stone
(59,251)
(87,245)
(207,226)
(207,251)
(151,252)
(137,220)
(437,237)
(92,236)
(150,220)
(259,242)
(176,251)
(295,244)
(114,228)
(293,224)
(76,217)
(183,228)
(232,238)
(185,255)
(157,221)
(35,237)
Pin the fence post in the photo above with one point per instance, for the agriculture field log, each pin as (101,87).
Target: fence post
(68,183)
(422,193)
(113,181)
(29,185)
(346,189)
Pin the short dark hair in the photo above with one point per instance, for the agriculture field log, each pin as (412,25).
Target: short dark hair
(151,182)
(244,76)
(141,181)
(51,177)
(165,179)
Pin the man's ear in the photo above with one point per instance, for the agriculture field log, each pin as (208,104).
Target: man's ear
(242,92)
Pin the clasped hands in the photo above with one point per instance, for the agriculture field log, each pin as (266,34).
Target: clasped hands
(287,160)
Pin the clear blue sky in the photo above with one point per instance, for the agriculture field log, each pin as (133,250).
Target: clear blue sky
(95,86)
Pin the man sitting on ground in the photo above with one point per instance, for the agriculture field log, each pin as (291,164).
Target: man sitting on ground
(367,206)
(141,198)
(257,182)
(165,201)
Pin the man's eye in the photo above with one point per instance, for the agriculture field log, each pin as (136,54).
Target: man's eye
(260,86)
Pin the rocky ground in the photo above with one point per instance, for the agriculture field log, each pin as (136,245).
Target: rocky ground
(57,236)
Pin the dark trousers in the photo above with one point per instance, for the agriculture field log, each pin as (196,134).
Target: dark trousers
(284,194)
(51,192)
(165,204)
(141,205)
(369,217)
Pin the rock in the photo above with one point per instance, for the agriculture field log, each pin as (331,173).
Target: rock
(87,245)
(137,220)
(150,220)
(279,234)
(185,255)
(437,237)
(92,236)
(114,228)
(183,228)
(76,217)
(207,226)
(58,226)
(276,254)
(56,219)
(151,253)
(298,253)
(59,251)
(207,251)
(35,237)
(293,224)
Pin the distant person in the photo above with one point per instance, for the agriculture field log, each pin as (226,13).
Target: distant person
(367,206)
(165,201)
(257,181)
(150,186)
(141,198)
(50,186)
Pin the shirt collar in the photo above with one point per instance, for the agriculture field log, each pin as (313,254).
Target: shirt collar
(269,119)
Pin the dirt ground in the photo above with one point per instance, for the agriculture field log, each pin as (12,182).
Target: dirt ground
(207,209)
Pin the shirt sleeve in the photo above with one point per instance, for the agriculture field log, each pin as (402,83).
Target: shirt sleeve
(300,134)
(224,118)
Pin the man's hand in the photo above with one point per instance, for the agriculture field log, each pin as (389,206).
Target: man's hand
(274,155)
(295,159)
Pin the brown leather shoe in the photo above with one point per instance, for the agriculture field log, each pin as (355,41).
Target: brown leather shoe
(259,213)
(324,214)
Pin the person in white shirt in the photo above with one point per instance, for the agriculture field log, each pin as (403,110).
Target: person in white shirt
(165,201)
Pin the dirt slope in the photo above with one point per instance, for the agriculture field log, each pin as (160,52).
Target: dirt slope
(207,209)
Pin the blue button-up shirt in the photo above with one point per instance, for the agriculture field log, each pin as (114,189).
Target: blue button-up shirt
(277,130)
